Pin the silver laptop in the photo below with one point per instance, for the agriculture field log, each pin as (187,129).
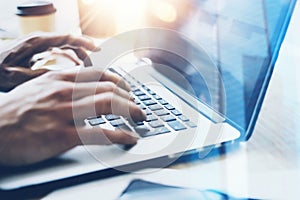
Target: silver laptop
(201,77)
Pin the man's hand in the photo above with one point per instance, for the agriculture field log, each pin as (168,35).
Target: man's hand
(16,66)
(22,53)
(38,118)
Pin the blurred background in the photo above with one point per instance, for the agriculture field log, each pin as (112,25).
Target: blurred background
(67,18)
(103,18)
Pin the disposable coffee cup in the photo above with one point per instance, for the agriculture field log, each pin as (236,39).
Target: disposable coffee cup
(36,16)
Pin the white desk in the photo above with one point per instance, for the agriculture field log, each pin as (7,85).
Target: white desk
(267,166)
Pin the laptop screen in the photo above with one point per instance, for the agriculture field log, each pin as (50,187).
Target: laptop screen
(241,37)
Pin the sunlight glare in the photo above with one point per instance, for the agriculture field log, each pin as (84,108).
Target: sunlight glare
(165,11)
(88,2)
(129,13)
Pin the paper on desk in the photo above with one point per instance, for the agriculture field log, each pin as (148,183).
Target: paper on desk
(111,188)
(232,174)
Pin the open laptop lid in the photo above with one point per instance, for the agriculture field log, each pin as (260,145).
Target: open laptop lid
(242,38)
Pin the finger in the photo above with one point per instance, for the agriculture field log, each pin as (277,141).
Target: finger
(82,90)
(67,53)
(99,136)
(19,57)
(92,74)
(106,103)
(43,43)
(81,54)
(40,44)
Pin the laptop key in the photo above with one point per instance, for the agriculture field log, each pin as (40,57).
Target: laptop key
(161,112)
(191,124)
(157,97)
(144,97)
(183,118)
(156,124)
(118,122)
(134,123)
(142,107)
(151,92)
(155,107)
(162,130)
(138,123)
(114,71)
(176,112)
(111,117)
(168,118)
(176,125)
(137,102)
(134,89)
(96,121)
(149,102)
(145,87)
(138,93)
(157,131)
(148,112)
(169,107)
(151,118)
(141,130)
(124,127)
(162,102)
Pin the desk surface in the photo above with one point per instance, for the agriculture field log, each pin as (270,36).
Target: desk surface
(267,166)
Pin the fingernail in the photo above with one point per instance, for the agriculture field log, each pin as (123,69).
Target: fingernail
(134,139)
(131,97)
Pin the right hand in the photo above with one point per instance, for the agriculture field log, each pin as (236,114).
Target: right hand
(38,118)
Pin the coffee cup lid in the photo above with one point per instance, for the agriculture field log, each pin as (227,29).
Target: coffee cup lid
(34,8)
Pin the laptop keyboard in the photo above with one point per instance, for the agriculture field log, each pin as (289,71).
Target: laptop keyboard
(162,117)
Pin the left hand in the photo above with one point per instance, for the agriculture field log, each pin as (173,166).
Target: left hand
(22,53)
(16,66)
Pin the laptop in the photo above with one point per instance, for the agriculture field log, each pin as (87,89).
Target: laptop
(200,75)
